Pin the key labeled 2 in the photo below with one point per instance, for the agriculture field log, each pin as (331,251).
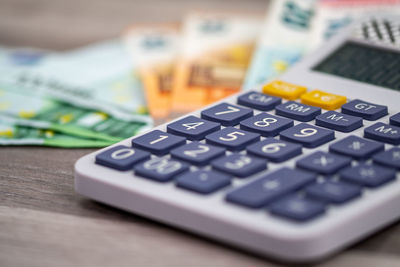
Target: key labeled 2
(232,138)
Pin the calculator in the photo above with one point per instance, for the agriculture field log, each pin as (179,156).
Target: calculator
(294,170)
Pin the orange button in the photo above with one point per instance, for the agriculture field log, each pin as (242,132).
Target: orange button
(283,89)
(323,100)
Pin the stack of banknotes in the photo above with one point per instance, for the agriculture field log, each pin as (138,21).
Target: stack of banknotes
(102,93)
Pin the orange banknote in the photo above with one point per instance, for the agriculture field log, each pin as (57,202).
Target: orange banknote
(154,49)
(215,53)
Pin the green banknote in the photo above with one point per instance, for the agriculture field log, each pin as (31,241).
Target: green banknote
(45,113)
(11,134)
(98,77)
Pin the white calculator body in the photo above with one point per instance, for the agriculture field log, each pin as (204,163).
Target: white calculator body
(268,175)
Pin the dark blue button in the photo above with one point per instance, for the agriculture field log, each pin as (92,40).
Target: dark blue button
(356,147)
(239,165)
(203,181)
(389,158)
(226,114)
(383,132)
(368,175)
(158,142)
(364,109)
(308,135)
(395,119)
(259,101)
(297,111)
(193,128)
(121,157)
(197,153)
(160,169)
(323,162)
(266,124)
(333,191)
(232,138)
(338,121)
(269,187)
(297,208)
(275,150)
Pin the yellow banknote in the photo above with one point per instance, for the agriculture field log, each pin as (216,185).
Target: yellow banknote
(215,53)
(154,49)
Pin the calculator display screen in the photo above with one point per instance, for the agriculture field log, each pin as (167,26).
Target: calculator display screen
(365,64)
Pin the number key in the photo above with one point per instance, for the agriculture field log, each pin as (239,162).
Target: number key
(239,165)
(121,157)
(197,153)
(160,169)
(226,114)
(193,128)
(158,142)
(308,135)
(274,150)
(232,138)
(266,124)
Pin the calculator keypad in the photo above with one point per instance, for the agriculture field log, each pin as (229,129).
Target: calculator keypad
(231,142)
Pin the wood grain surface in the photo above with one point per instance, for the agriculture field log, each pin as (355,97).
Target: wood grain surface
(43,222)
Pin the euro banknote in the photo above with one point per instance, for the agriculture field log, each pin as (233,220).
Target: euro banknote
(27,109)
(283,41)
(215,53)
(98,77)
(154,49)
(11,134)
(332,16)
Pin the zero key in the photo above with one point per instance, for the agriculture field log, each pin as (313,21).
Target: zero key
(365,110)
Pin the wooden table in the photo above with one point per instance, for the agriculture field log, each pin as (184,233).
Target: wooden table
(43,222)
